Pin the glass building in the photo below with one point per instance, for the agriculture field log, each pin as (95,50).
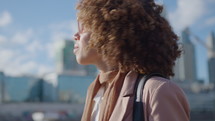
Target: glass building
(185,68)
(73,89)
(42,91)
(211,58)
(17,89)
(26,89)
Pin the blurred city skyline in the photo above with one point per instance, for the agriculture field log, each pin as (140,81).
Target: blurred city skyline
(30,31)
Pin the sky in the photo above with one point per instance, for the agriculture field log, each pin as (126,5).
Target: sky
(30,31)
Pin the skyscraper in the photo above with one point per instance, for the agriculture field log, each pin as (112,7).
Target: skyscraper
(211,70)
(73,88)
(185,68)
(17,88)
(211,57)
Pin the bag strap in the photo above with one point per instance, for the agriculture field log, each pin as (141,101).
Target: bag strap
(138,110)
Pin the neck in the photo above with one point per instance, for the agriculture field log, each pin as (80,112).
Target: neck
(104,67)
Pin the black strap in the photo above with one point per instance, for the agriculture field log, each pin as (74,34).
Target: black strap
(138,110)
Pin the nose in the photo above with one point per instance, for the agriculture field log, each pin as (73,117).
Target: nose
(77,36)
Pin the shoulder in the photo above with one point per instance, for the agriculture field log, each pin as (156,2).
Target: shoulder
(164,90)
(162,85)
(162,94)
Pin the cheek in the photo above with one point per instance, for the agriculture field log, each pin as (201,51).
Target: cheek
(84,40)
(84,45)
(87,56)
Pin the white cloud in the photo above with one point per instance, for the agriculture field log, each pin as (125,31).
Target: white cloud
(5,19)
(50,49)
(53,47)
(21,65)
(187,13)
(17,69)
(44,69)
(34,46)
(22,37)
(14,62)
(3,39)
(30,65)
(24,45)
(210,21)
(6,56)
(60,31)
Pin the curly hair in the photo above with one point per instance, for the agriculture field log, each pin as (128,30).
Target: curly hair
(131,34)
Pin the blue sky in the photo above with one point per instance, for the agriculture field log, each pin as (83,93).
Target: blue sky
(30,31)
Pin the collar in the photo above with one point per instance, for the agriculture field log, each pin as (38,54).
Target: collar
(129,84)
(107,77)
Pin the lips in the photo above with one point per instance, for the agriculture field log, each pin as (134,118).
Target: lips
(75,48)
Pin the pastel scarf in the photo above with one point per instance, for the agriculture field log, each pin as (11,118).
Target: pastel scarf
(113,81)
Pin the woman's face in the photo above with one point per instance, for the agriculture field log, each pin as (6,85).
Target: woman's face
(84,54)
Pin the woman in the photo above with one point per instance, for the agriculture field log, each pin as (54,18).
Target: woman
(125,38)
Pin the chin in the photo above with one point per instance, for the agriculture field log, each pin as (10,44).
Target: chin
(82,61)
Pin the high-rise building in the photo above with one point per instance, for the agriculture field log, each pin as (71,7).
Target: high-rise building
(36,92)
(211,45)
(211,70)
(44,89)
(185,69)
(50,86)
(73,88)
(16,89)
(67,64)
(28,88)
(211,58)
